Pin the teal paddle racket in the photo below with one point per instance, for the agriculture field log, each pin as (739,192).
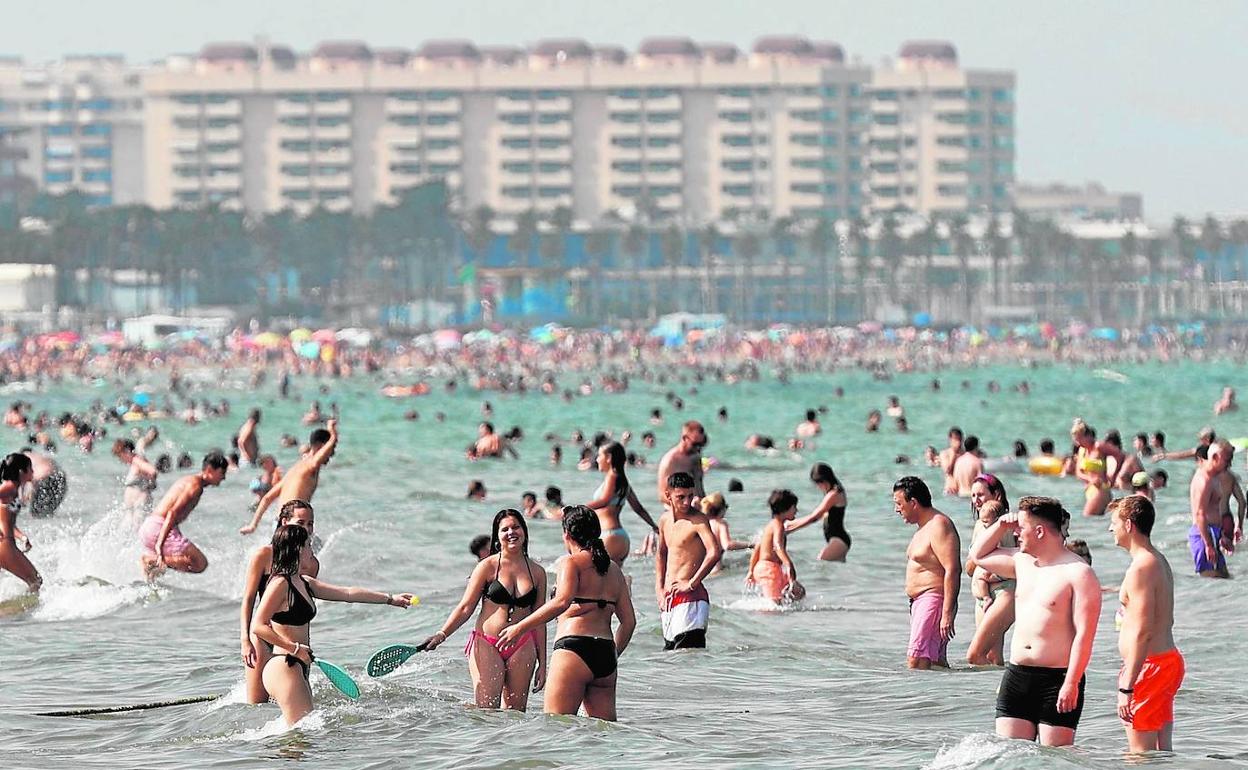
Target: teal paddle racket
(387,660)
(339,678)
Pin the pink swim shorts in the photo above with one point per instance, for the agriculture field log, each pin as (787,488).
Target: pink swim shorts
(925,641)
(175,542)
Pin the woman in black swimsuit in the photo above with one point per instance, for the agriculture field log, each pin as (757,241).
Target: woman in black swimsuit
(285,616)
(259,568)
(16,470)
(591,589)
(831,509)
(508,586)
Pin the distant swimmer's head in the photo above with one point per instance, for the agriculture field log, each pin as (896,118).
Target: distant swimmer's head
(254,416)
(1140,480)
(955,436)
(1041,521)
(811,415)
(214,467)
(1206,435)
(735,485)
(476,490)
(581,529)
(123,449)
(1080,548)
(297,512)
(1046,446)
(821,474)
(692,436)
(268,463)
(16,467)
(910,497)
(485,429)
(479,546)
(288,543)
(554,495)
(972,444)
(510,529)
(1020,449)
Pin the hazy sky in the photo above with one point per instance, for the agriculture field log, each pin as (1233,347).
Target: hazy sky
(1146,95)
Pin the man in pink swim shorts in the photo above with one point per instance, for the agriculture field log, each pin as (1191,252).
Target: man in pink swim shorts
(164,545)
(933,574)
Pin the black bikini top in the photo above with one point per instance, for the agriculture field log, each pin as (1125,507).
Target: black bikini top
(602,603)
(496,592)
(301,610)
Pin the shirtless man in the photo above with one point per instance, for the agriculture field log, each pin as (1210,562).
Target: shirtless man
(1226,403)
(686,553)
(685,457)
(1152,667)
(1228,488)
(968,465)
(1204,494)
(163,542)
(933,574)
(1057,604)
(490,444)
(948,456)
(248,441)
(301,480)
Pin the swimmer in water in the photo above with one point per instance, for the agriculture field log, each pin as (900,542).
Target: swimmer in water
(270,476)
(15,471)
(1226,403)
(303,478)
(161,535)
(831,510)
(948,457)
(715,508)
(284,620)
(771,567)
(810,427)
(610,498)
(508,587)
(248,440)
(1092,467)
(140,479)
(256,578)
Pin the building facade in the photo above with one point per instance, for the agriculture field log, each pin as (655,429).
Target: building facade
(79,125)
(1091,201)
(942,137)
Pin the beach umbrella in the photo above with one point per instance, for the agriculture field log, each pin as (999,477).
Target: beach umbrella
(870,327)
(300,335)
(267,340)
(1105,333)
(447,339)
(325,335)
(310,349)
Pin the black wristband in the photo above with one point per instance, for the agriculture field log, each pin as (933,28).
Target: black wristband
(1126,690)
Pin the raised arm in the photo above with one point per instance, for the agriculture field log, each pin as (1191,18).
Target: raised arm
(815,515)
(327,450)
(987,551)
(1086,609)
(274,492)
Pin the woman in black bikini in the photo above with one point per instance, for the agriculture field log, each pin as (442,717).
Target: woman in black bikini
(508,586)
(285,616)
(16,470)
(831,509)
(259,569)
(591,589)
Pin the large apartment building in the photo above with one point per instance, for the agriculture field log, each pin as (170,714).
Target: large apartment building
(78,125)
(942,137)
(676,129)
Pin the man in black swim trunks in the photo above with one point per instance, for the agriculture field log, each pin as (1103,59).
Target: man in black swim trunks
(1058,602)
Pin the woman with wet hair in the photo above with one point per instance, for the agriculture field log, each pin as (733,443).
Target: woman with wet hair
(16,471)
(831,510)
(508,586)
(256,579)
(590,590)
(284,620)
(609,501)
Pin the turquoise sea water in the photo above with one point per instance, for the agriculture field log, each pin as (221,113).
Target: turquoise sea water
(821,685)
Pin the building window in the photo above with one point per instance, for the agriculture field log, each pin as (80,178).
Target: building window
(624,93)
(331,121)
(439,96)
(99,151)
(662,166)
(626,166)
(63,129)
(804,140)
(1002,95)
(554,192)
(951,189)
(949,93)
(548,96)
(735,117)
(411,169)
(518,167)
(887,119)
(1002,119)
(950,167)
(405,120)
(405,96)
(54,177)
(518,143)
(626,117)
(517,118)
(327,145)
(296,145)
(885,95)
(551,142)
(440,119)
(737,140)
(737,190)
(661,141)
(97,129)
(951,141)
(804,188)
(551,118)
(663,117)
(297,169)
(299,121)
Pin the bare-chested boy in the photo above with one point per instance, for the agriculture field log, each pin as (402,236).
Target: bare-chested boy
(771,567)
(1057,604)
(301,481)
(1152,667)
(933,574)
(967,467)
(163,542)
(687,551)
(1229,489)
(948,456)
(1204,495)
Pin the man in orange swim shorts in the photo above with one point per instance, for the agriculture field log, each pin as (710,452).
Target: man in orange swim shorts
(1152,667)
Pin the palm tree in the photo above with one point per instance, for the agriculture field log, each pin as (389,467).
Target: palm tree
(597,244)
(860,245)
(707,239)
(1212,241)
(672,247)
(634,244)
(782,243)
(999,252)
(820,242)
(1185,248)
(891,249)
(748,247)
(963,245)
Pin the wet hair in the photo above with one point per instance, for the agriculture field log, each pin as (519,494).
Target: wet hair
(164,463)
(913,488)
(1142,438)
(554,495)
(811,415)
(821,473)
(288,541)
(1049,509)
(618,459)
(287,511)
(266,459)
(254,414)
(1161,474)
(1115,438)
(1046,446)
(123,445)
(1020,448)
(735,485)
(477,543)
(1202,452)
(680,480)
(1138,510)
(1080,428)
(495,544)
(13,466)
(1159,439)
(996,488)
(971,443)
(529,496)
(215,459)
(319,437)
(581,526)
(1080,548)
(489,427)
(475,487)
(956,431)
(780,501)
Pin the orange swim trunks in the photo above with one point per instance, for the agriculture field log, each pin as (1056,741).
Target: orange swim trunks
(1155,689)
(771,580)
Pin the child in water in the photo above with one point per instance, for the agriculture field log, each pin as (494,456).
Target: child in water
(771,568)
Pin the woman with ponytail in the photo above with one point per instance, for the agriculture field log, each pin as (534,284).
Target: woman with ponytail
(508,586)
(590,590)
(16,471)
(609,501)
